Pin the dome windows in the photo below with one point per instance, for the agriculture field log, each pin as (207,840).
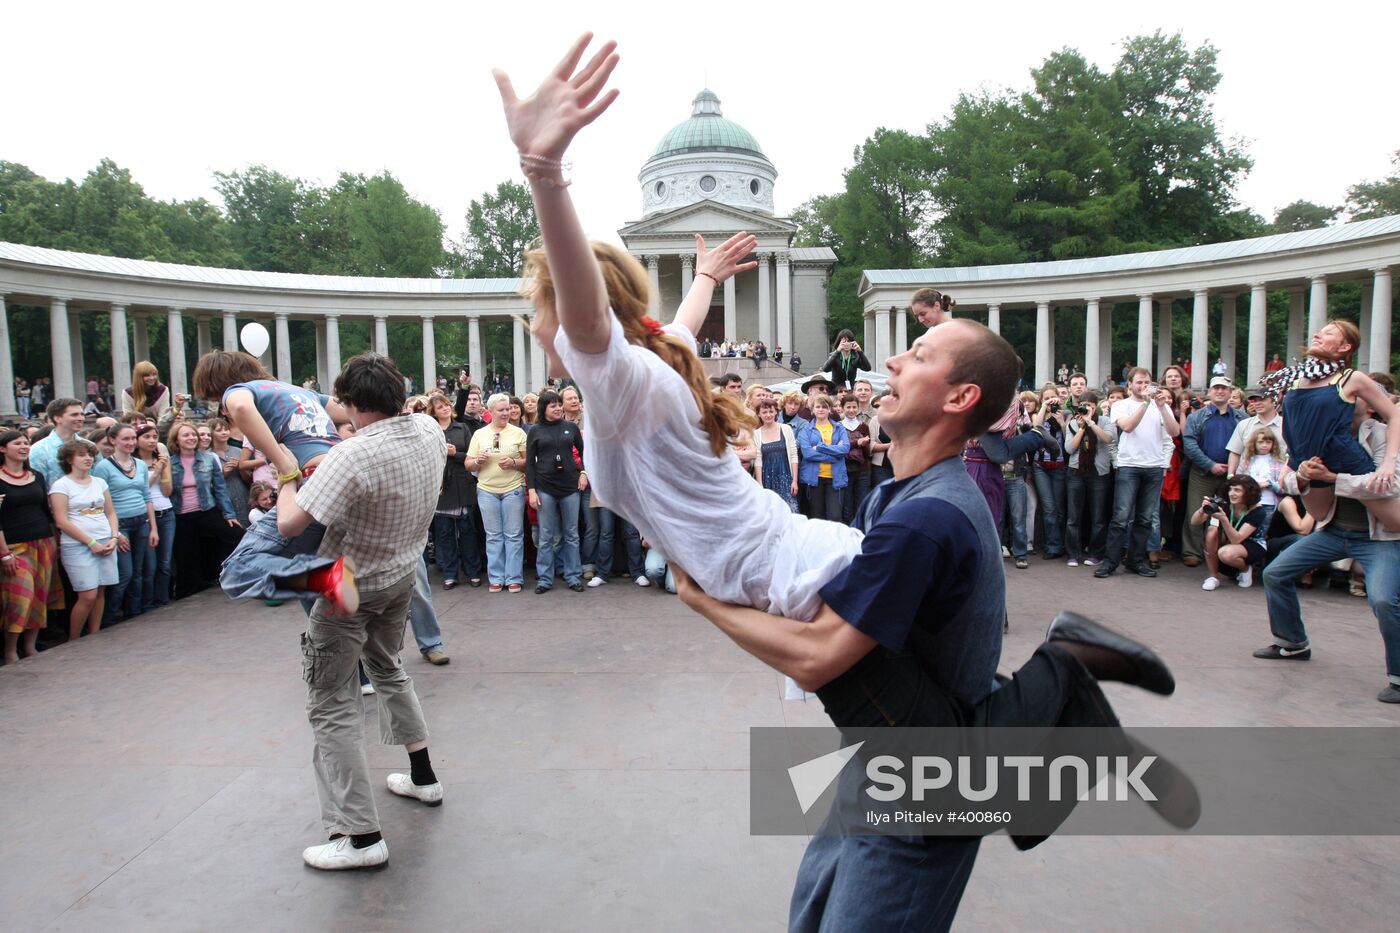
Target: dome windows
(708,183)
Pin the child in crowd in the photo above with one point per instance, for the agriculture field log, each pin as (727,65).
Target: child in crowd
(262,500)
(1319,400)
(1261,462)
(293,428)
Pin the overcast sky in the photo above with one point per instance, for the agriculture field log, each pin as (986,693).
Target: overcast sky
(174,92)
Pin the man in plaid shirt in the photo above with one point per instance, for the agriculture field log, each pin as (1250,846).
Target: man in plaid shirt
(375,493)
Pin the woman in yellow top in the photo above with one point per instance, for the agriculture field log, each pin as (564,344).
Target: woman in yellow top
(497,456)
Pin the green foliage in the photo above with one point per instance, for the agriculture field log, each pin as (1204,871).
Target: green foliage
(501,225)
(1376,198)
(1303,215)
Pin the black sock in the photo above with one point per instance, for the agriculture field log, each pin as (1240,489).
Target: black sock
(361,840)
(421,768)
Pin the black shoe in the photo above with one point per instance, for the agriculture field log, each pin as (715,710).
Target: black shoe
(1146,571)
(449,584)
(1391,694)
(1155,565)
(1178,802)
(541,589)
(1105,570)
(576,587)
(1279,653)
(1149,671)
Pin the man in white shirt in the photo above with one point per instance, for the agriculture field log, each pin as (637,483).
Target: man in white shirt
(1265,416)
(1145,423)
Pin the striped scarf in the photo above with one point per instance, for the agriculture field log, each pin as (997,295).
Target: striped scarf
(1276,383)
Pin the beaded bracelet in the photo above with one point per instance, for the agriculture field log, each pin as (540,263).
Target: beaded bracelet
(536,168)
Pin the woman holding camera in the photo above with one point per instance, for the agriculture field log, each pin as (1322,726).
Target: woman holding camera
(1048,471)
(1235,536)
(845,361)
(1087,477)
(552,474)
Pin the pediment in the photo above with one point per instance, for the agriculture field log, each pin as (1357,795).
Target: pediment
(707,217)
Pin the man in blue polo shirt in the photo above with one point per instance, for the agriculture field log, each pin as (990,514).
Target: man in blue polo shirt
(1205,441)
(916,620)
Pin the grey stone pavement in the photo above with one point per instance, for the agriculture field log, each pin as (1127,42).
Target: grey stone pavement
(594,749)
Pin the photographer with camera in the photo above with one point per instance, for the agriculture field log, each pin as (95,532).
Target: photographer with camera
(1204,440)
(1087,475)
(845,361)
(1234,526)
(1048,471)
(1145,424)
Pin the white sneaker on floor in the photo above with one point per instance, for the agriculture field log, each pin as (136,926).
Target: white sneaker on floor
(597,581)
(366,690)
(402,784)
(341,854)
(1211,583)
(1071,563)
(1246,578)
(1005,552)
(643,581)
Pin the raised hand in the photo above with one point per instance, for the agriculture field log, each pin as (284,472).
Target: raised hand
(724,260)
(566,101)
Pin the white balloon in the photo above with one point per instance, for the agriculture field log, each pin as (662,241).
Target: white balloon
(255,338)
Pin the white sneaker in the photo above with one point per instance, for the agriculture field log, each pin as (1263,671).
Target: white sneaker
(402,784)
(643,581)
(1211,583)
(597,581)
(1005,552)
(366,690)
(1072,563)
(1246,578)
(341,854)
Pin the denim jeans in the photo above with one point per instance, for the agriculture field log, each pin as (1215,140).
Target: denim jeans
(609,526)
(1079,488)
(588,543)
(454,540)
(264,559)
(1380,560)
(1016,515)
(1135,495)
(1050,490)
(155,566)
(503,514)
(855,492)
(558,523)
(127,594)
(658,571)
(421,614)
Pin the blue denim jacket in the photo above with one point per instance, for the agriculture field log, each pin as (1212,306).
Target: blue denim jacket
(208,482)
(808,471)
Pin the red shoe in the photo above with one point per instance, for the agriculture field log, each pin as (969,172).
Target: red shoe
(336,584)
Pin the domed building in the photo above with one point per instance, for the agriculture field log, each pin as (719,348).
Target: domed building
(709,175)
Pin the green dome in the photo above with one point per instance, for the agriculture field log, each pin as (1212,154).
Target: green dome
(706,131)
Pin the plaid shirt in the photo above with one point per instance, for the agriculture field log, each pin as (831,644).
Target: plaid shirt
(375,493)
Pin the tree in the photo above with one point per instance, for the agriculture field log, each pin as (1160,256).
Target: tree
(501,225)
(1303,215)
(266,210)
(371,226)
(1369,199)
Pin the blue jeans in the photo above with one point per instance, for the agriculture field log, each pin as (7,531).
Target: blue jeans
(155,567)
(127,594)
(1079,488)
(1016,515)
(855,492)
(421,614)
(454,539)
(589,543)
(658,571)
(1380,560)
(609,524)
(1135,495)
(558,522)
(264,560)
(1050,490)
(503,514)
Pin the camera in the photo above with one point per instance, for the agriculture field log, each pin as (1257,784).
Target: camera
(1151,391)
(1196,404)
(1215,504)
(1085,409)
(558,464)
(1052,406)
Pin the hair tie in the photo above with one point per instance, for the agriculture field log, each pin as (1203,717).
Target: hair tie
(652,325)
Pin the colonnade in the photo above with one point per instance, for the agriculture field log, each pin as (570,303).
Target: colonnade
(774,287)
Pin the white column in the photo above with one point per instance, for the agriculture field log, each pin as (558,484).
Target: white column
(1144,341)
(1200,355)
(321,378)
(429,355)
(332,349)
(882,336)
(121,354)
(1164,335)
(75,338)
(901,330)
(765,300)
(654,277)
(1092,343)
(687,279)
(60,349)
(1227,337)
(8,408)
(538,376)
(140,337)
(1106,365)
(994,318)
(284,347)
(518,342)
(230,331)
(1295,324)
(266,357)
(868,344)
(731,312)
(478,368)
(1258,319)
(1380,321)
(783,276)
(202,341)
(1043,352)
(175,325)
(1363,351)
(1317,305)
(381,335)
